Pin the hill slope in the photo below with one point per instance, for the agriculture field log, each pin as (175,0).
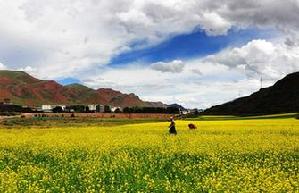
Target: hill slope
(282,97)
(24,89)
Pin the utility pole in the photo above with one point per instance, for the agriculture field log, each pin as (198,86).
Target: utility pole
(261,81)
(258,73)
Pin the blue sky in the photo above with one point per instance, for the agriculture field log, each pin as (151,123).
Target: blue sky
(192,45)
(183,47)
(68,80)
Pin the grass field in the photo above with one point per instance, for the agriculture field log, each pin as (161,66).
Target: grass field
(245,155)
(63,122)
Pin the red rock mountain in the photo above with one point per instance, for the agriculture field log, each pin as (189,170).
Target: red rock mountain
(23,89)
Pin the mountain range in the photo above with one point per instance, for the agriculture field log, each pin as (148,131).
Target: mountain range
(23,89)
(282,97)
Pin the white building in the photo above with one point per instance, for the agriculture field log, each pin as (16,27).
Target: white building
(92,107)
(100,108)
(49,108)
(113,109)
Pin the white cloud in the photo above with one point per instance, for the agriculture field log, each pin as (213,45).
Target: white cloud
(214,24)
(83,34)
(2,66)
(197,71)
(213,86)
(260,58)
(29,69)
(187,88)
(63,38)
(175,66)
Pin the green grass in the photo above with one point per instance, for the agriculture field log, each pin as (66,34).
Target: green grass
(18,76)
(260,155)
(62,122)
(231,117)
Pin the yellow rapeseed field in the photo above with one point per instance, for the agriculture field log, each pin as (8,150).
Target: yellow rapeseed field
(220,156)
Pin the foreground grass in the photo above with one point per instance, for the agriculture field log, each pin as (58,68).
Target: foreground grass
(232,156)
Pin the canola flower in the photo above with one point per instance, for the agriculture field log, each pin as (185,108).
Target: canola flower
(221,156)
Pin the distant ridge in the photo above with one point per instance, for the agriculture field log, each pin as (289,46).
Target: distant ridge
(24,89)
(282,97)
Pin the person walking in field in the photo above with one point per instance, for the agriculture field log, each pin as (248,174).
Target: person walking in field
(172,129)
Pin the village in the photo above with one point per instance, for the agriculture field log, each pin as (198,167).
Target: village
(6,106)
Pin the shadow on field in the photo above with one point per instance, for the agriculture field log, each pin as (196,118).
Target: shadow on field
(52,122)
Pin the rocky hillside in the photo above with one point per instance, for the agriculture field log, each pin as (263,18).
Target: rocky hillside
(24,89)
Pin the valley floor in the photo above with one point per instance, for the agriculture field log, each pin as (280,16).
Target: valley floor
(248,155)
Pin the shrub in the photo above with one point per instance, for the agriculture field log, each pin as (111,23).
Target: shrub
(58,109)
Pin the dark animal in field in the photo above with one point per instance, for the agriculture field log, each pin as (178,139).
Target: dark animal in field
(192,126)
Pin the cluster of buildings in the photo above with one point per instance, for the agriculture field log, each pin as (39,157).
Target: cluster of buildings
(7,106)
(92,108)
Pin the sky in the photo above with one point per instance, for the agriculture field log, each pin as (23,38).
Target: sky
(191,52)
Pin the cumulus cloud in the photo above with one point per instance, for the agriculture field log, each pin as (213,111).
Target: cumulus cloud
(260,58)
(2,66)
(279,14)
(197,71)
(214,24)
(63,38)
(215,85)
(29,69)
(175,66)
